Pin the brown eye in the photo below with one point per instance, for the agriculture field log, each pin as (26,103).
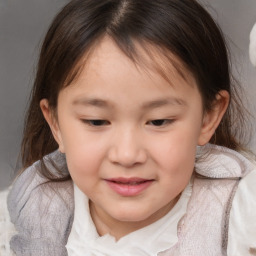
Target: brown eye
(160,122)
(96,122)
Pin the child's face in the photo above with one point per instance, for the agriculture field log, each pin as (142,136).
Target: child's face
(129,137)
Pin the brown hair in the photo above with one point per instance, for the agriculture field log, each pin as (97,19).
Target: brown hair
(179,27)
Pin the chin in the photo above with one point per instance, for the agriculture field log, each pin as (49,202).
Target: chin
(132,215)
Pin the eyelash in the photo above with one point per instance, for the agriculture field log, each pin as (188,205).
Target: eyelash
(160,122)
(96,122)
(101,122)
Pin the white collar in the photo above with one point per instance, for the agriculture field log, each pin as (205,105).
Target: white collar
(150,240)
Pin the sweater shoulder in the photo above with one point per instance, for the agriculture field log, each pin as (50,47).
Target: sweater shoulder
(220,162)
(41,210)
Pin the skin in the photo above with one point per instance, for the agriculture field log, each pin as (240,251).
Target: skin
(147,129)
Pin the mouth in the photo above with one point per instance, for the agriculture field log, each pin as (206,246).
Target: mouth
(129,186)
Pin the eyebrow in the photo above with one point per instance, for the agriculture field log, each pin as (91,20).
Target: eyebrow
(163,102)
(147,105)
(92,102)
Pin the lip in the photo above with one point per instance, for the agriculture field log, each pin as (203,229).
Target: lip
(129,186)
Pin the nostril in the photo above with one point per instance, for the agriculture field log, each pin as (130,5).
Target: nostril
(127,157)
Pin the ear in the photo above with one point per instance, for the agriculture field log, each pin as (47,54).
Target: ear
(52,121)
(212,118)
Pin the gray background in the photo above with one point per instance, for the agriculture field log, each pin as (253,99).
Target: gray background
(23,24)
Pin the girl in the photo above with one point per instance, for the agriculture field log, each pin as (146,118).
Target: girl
(116,152)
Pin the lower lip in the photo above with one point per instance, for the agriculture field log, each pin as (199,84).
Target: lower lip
(129,190)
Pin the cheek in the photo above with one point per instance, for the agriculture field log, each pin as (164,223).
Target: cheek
(84,170)
(175,153)
(84,159)
(177,166)
(179,160)
(82,149)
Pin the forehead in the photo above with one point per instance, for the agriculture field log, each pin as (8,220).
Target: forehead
(108,74)
(147,60)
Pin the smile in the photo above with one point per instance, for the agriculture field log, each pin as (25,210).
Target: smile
(129,187)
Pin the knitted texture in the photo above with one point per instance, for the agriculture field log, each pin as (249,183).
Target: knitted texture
(7,229)
(41,211)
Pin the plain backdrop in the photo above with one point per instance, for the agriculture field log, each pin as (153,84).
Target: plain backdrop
(23,24)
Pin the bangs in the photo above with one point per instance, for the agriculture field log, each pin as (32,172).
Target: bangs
(145,55)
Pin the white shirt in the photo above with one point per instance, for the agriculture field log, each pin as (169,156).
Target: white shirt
(150,240)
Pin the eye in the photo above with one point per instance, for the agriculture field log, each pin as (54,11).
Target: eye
(160,122)
(96,122)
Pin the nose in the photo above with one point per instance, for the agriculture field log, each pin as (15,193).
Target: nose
(127,148)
